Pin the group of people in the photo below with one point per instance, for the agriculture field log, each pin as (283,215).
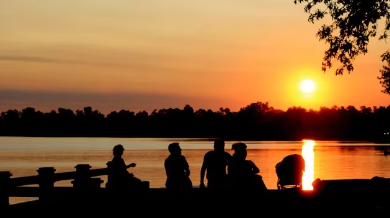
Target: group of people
(221,169)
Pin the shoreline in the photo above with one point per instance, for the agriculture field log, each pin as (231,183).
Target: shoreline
(201,139)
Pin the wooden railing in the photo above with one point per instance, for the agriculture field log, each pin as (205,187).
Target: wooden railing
(46,178)
(378,188)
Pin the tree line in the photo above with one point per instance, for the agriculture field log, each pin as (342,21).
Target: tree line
(256,121)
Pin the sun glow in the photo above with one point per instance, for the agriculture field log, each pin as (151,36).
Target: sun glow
(307,86)
(308,155)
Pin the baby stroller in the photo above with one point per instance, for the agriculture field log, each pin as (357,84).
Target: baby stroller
(290,171)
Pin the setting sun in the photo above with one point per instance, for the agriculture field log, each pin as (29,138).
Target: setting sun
(307,86)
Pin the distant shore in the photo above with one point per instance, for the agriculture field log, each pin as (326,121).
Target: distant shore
(254,122)
(197,138)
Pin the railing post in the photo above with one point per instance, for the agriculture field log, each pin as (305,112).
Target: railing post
(83,176)
(46,183)
(5,177)
(86,188)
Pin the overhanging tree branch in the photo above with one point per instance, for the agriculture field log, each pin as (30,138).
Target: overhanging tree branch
(354,23)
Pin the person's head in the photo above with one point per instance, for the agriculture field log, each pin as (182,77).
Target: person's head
(219,145)
(118,150)
(239,150)
(174,148)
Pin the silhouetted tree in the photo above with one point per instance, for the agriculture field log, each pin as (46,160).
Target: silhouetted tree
(256,121)
(354,23)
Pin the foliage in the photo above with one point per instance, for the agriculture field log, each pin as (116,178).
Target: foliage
(256,121)
(354,23)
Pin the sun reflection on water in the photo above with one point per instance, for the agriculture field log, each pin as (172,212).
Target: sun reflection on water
(308,155)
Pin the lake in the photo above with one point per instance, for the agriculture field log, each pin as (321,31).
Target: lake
(324,159)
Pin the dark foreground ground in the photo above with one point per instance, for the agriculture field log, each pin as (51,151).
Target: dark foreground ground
(207,203)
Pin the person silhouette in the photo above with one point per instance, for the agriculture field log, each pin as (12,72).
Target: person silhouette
(243,173)
(215,162)
(177,169)
(118,169)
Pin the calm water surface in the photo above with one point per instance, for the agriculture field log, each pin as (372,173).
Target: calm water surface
(325,160)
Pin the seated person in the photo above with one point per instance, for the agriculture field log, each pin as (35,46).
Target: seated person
(243,173)
(177,169)
(118,174)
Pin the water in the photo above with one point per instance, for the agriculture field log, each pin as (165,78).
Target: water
(325,160)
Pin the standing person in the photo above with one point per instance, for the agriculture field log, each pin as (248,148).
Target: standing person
(215,162)
(177,169)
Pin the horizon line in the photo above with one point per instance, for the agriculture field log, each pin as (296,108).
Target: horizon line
(307,109)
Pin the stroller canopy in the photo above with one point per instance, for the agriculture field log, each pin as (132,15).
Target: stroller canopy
(290,170)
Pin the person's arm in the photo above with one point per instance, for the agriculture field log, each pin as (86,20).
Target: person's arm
(254,168)
(166,168)
(228,162)
(131,165)
(228,158)
(203,170)
(187,171)
(186,167)
(121,164)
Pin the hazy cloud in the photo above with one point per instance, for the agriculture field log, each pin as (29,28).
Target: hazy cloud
(42,100)
(143,62)
(32,59)
(50,60)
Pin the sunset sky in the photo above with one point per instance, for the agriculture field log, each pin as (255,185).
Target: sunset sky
(138,54)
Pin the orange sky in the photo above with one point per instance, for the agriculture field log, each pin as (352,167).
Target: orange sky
(152,54)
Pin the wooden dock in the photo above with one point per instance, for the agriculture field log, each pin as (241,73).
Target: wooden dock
(88,195)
